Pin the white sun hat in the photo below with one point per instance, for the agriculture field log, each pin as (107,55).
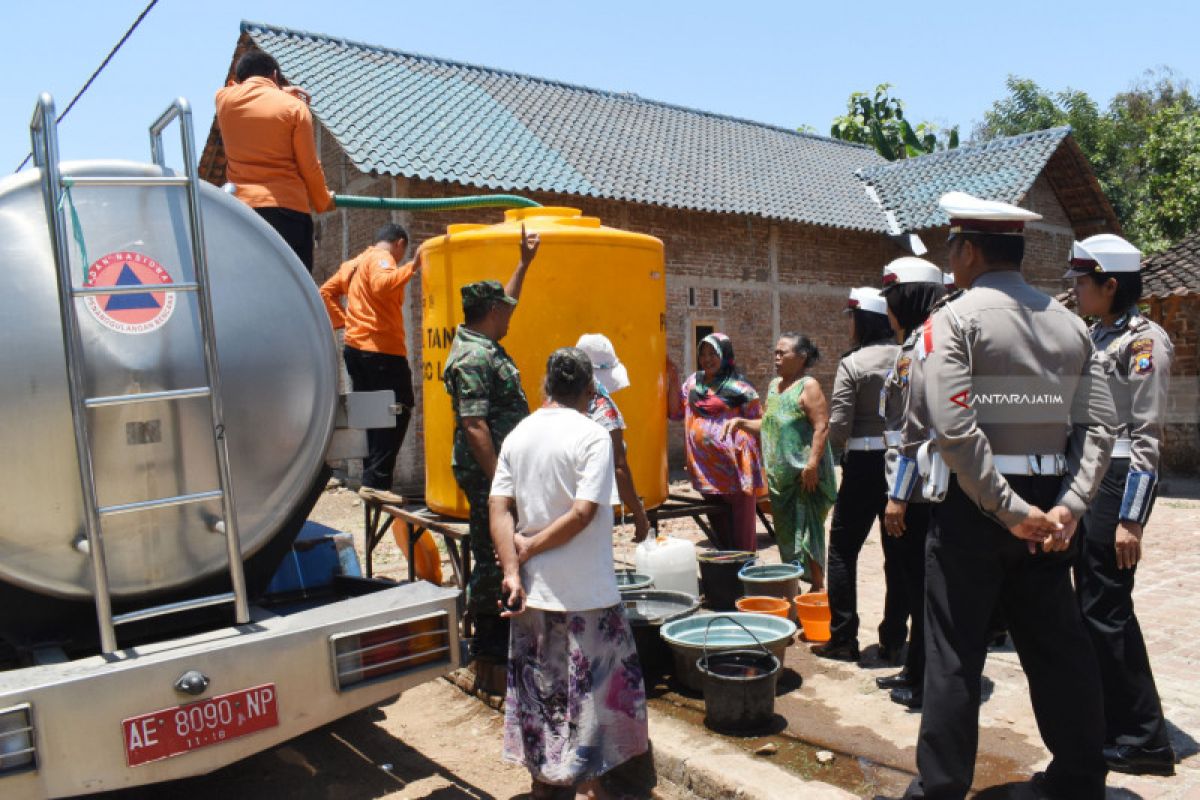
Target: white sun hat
(610,372)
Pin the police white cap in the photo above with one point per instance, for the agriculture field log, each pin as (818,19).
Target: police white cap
(865,298)
(969,214)
(910,269)
(1104,252)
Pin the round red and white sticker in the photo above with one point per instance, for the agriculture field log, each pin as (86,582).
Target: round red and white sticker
(136,312)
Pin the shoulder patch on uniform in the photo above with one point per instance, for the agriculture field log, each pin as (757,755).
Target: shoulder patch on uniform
(385,264)
(902,368)
(925,340)
(1143,345)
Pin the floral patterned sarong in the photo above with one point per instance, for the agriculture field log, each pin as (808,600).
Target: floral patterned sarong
(576,704)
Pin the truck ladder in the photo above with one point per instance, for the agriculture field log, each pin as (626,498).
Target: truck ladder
(44,133)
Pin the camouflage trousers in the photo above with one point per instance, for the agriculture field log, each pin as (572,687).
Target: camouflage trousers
(483,590)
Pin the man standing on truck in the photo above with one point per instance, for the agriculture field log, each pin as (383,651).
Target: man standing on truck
(485,390)
(376,352)
(270,151)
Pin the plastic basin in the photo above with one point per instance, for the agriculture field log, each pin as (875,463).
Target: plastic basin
(775,606)
(813,610)
(630,581)
(685,637)
(772,580)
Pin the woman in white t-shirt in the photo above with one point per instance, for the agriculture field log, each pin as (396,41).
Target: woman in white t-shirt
(576,704)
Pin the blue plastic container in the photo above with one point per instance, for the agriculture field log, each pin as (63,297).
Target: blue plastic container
(317,556)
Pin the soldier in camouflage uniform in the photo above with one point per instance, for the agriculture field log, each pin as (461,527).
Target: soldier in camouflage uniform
(485,390)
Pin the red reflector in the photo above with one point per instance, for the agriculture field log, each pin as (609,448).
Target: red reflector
(390,649)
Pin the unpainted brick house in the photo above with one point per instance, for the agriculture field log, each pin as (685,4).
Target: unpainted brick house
(765,229)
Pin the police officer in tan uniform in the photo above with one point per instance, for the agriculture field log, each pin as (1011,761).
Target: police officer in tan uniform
(856,430)
(1021,428)
(911,287)
(1136,355)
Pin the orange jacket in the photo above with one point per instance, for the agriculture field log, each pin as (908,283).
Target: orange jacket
(270,150)
(374,290)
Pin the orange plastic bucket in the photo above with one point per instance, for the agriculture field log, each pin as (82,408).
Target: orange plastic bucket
(813,610)
(774,606)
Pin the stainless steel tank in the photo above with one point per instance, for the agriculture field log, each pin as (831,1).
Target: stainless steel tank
(278,375)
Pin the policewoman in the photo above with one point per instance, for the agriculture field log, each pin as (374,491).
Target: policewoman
(1018,445)
(1136,355)
(856,429)
(911,287)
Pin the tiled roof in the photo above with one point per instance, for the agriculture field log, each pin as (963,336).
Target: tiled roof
(1002,169)
(397,113)
(1174,271)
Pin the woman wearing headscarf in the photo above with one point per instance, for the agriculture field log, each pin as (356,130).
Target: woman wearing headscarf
(912,286)
(856,430)
(724,468)
(576,703)
(610,378)
(800,473)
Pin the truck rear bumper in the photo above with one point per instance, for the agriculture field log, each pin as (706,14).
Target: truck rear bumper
(78,709)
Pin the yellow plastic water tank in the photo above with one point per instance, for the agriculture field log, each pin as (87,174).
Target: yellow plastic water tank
(586,278)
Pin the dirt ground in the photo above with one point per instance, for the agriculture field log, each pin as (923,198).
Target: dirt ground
(407,750)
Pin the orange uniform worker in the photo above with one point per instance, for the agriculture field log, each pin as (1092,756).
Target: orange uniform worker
(376,351)
(270,151)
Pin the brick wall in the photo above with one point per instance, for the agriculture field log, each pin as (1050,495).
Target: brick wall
(1179,315)
(768,277)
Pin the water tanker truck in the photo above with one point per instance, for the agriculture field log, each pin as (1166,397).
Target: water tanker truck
(168,410)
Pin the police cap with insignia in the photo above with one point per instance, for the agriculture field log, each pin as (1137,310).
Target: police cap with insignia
(864,298)
(910,269)
(969,214)
(1104,252)
(482,293)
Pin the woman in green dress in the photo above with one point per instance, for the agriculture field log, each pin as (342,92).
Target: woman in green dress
(799,464)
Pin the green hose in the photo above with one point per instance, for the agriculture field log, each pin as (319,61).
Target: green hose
(435,203)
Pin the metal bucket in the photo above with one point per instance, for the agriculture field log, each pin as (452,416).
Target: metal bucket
(739,686)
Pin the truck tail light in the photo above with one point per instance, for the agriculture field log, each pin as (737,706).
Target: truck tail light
(384,651)
(16,739)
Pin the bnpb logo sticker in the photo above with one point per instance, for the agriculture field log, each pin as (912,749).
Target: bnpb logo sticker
(137,312)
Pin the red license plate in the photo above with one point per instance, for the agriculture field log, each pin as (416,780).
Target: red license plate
(181,729)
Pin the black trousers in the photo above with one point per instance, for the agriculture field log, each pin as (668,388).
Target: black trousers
(296,228)
(910,559)
(860,501)
(1133,712)
(972,562)
(372,372)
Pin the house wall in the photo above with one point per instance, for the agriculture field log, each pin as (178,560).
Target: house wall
(1179,315)
(770,277)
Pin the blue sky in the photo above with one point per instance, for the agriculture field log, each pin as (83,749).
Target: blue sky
(787,63)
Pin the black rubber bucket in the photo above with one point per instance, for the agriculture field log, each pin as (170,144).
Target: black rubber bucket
(647,611)
(739,686)
(719,576)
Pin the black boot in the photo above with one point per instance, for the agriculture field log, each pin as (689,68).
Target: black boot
(1136,760)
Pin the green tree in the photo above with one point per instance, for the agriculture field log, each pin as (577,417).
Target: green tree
(1138,147)
(1169,206)
(878,120)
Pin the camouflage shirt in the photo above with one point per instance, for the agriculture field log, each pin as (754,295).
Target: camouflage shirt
(483,382)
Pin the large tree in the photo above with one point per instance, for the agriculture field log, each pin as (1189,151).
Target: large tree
(878,121)
(1143,147)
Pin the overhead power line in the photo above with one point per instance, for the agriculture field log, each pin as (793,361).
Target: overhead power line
(97,71)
